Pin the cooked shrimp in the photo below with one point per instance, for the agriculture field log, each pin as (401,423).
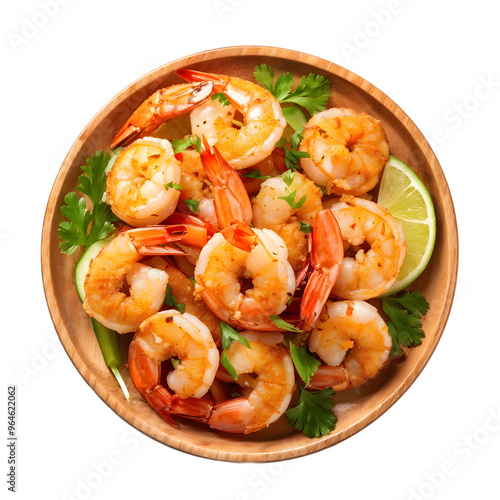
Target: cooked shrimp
(263,119)
(375,248)
(271,211)
(267,370)
(348,150)
(137,184)
(354,342)
(161,106)
(120,292)
(223,269)
(183,336)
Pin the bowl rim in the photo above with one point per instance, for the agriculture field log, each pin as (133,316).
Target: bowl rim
(119,406)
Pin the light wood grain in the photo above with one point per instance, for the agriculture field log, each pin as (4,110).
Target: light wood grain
(355,409)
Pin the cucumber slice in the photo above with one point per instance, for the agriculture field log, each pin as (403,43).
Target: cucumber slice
(82,267)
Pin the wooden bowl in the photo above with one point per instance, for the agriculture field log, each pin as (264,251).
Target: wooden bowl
(356,408)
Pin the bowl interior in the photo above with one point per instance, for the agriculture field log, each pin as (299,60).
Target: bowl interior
(355,408)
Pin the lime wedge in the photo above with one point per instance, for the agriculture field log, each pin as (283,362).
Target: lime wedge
(405,196)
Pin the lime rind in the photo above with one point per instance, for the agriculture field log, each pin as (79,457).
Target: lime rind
(403,194)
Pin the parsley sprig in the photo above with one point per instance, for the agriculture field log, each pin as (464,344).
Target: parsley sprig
(312,91)
(314,414)
(405,325)
(84,226)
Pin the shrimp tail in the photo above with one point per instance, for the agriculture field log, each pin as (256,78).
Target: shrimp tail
(231,199)
(316,294)
(191,75)
(198,409)
(148,239)
(160,250)
(146,376)
(233,416)
(326,257)
(218,391)
(163,105)
(240,235)
(156,235)
(327,376)
(198,232)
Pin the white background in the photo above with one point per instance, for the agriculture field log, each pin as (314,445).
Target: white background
(437,59)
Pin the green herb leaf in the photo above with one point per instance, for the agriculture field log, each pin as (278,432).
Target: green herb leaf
(290,199)
(85,226)
(221,98)
(256,174)
(413,301)
(171,301)
(305,364)
(93,181)
(281,142)
(193,281)
(305,227)
(312,91)
(314,414)
(296,138)
(197,144)
(395,348)
(288,176)
(229,335)
(175,362)
(295,117)
(405,325)
(173,185)
(227,365)
(180,145)
(283,86)
(281,323)
(193,205)
(292,158)
(264,74)
(73,234)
